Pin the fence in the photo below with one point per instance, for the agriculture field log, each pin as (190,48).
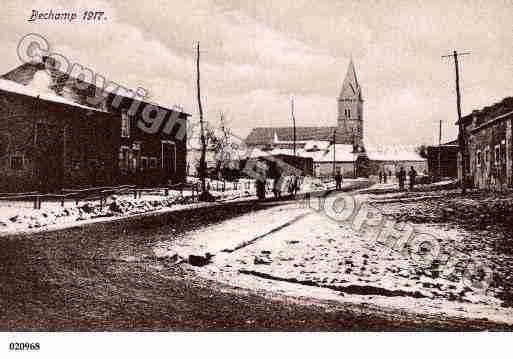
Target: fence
(100,194)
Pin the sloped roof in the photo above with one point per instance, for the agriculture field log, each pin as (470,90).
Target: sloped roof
(266,135)
(313,145)
(316,156)
(61,82)
(13,87)
(343,153)
(351,87)
(283,151)
(253,153)
(377,152)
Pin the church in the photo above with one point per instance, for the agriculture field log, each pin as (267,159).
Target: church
(342,147)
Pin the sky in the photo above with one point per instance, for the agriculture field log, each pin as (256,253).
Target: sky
(256,55)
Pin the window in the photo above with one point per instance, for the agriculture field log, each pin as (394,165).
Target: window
(153,162)
(144,163)
(348,113)
(479,159)
(124,157)
(487,155)
(503,152)
(125,125)
(16,162)
(497,154)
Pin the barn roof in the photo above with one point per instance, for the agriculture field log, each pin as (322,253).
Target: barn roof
(13,87)
(76,90)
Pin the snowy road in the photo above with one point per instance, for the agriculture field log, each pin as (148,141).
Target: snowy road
(301,252)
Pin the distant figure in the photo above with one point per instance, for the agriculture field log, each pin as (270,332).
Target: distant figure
(401,176)
(380,175)
(338,181)
(277,186)
(384,176)
(260,187)
(389,173)
(292,185)
(412,173)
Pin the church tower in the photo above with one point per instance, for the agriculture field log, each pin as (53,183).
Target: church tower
(350,109)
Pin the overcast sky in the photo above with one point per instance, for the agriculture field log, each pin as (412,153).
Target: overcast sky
(257,53)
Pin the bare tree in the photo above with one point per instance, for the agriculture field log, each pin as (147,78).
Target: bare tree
(219,140)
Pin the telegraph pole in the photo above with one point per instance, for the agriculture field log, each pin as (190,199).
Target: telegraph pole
(461,128)
(439,150)
(334,149)
(204,195)
(293,124)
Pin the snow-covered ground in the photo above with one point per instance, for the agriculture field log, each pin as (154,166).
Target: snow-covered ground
(21,215)
(330,258)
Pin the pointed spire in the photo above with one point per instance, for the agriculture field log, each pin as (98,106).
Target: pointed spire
(351,87)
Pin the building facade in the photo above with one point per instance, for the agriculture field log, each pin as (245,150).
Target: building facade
(488,133)
(53,136)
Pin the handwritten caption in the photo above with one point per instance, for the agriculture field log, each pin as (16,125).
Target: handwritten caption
(56,16)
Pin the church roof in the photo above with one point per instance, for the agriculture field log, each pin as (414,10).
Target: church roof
(267,135)
(351,88)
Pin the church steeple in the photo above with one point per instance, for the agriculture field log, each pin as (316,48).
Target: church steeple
(351,87)
(350,108)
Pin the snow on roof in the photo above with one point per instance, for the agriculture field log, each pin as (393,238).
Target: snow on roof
(313,145)
(14,87)
(283,151)
(343,153)
(253,153)
(377,152)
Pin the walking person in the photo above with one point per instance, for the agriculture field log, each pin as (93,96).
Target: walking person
(338,181)
(292,185)
(413,174)
(260,184)
(384,176)
(277,186)
(380,175)
(401,176)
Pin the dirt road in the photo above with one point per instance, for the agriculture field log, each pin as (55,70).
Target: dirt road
(104,276)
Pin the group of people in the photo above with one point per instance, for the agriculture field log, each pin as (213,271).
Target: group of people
(290,182)
(384,174)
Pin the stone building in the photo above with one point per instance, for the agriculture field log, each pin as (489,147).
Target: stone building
(489,142)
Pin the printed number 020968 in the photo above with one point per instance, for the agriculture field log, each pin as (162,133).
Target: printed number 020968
(24,346)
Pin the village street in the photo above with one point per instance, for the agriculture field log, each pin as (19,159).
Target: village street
(303,252)
(270,266)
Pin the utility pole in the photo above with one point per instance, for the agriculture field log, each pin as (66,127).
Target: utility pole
(354,153)
(204,195)
(439,151)
(293,124)
(461,127)
(334,149)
